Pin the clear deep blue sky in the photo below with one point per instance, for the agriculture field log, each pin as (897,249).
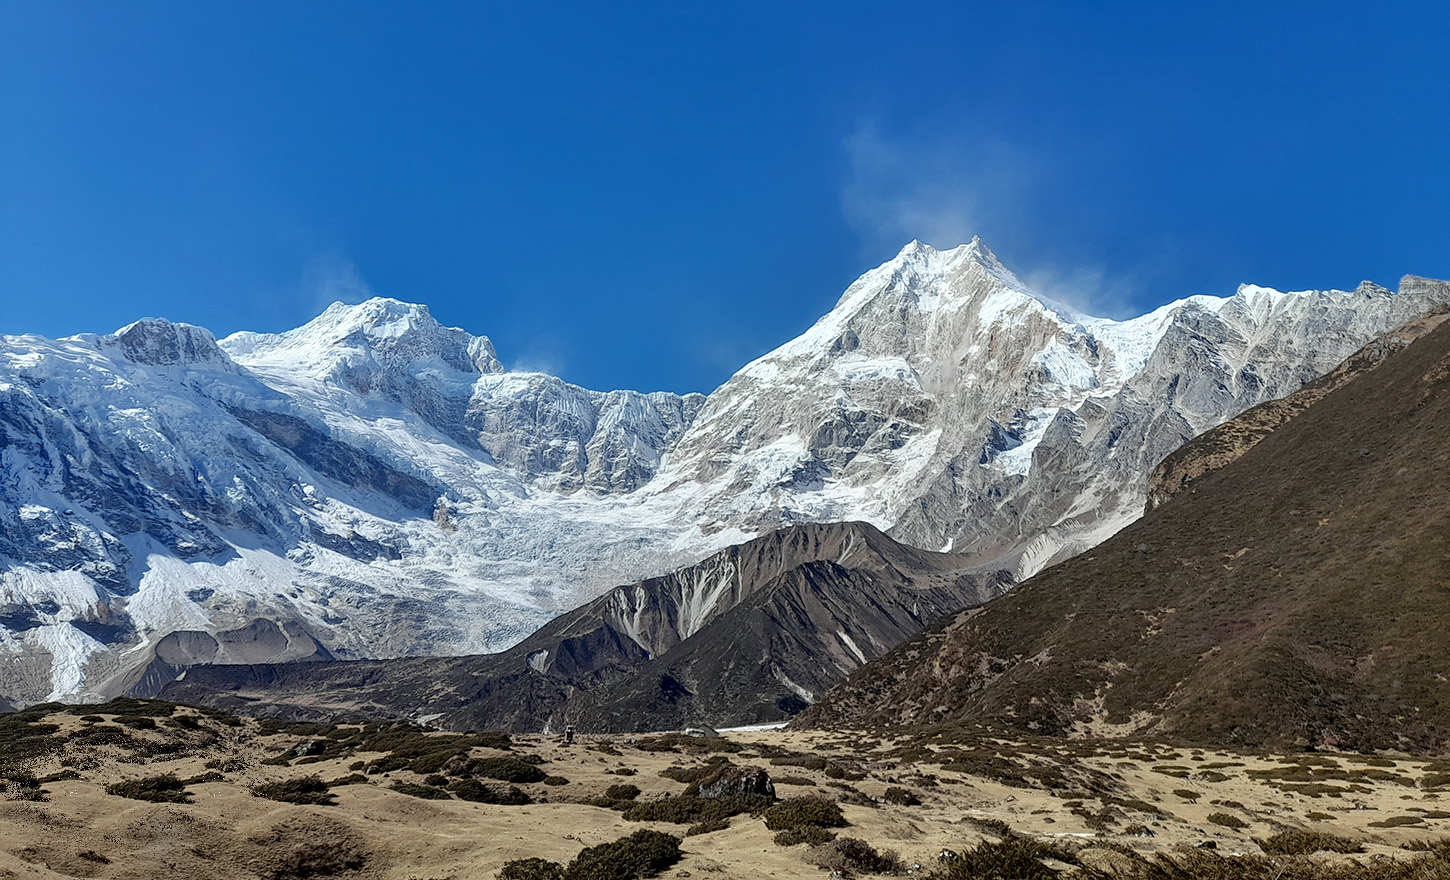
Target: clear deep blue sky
(648,195)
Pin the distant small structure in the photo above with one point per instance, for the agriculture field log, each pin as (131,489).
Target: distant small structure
(701,730)
(568,734)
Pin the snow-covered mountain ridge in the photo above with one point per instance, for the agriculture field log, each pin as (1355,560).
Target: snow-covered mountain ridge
(379,485)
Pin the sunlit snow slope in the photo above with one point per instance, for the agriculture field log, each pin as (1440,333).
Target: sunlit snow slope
(374,484)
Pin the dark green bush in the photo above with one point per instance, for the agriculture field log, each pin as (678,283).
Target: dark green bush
(479,793)
(996,826)
(104,735)
(621,792)
(555,780)
(899,796)
(676,742)
(1227,820)
(811,834)
(796,812)
(160,789)
(687,774)
(1302,843)
(1397,822)
(531,869)
(309,790)
(689,809)
(427,792)
(1017,858)
(504,769)
(846,854)
(707,827)
(128,706)
(808,762)
(642,854)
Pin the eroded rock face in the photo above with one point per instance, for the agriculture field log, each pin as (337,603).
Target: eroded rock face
(733,781)
(382,482)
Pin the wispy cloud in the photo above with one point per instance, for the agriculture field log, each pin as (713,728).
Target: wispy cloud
(334,278)
(1087,289)
(541,354)
(939,190)
(944,189)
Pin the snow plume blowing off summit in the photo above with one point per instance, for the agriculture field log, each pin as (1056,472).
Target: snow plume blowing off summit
(374,484)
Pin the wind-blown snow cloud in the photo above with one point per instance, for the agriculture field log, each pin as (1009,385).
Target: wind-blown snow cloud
(944,190)
(334,278)
(941,191)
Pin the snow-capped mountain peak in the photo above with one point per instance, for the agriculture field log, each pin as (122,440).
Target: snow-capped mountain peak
(379,334)
(160,343)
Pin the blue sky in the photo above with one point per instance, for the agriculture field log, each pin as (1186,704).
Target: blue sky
(647,195)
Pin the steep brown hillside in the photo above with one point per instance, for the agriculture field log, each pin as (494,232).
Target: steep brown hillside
(1300,594)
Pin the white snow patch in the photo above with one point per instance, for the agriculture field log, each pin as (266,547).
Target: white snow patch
(850,645)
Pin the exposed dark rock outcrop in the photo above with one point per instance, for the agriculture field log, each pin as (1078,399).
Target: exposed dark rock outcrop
(751,634)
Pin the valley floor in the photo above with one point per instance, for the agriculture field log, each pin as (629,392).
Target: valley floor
(1099,801)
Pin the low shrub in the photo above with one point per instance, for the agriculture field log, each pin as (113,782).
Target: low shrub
(641,854)
(1228,820)
(677,742)
(622,792)
(796,812)
(1397,822)
(997,826)
(809,834)
(902,797)
(555,780)
(846,854)
(531,869)
(159,789)
(137,722)
(1019,858)
(309,790)
(707,827)
(504,769)
(426,792)
(688,809)
(688,774)
(805,762)
(479,793)
(1302,843)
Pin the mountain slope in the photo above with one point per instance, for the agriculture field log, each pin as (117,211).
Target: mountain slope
(1292,596)
(750,634)
(374,484)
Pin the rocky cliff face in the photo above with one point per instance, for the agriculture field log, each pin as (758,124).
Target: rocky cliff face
(382,484)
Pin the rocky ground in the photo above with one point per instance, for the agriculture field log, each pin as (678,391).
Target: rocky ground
(392,801)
